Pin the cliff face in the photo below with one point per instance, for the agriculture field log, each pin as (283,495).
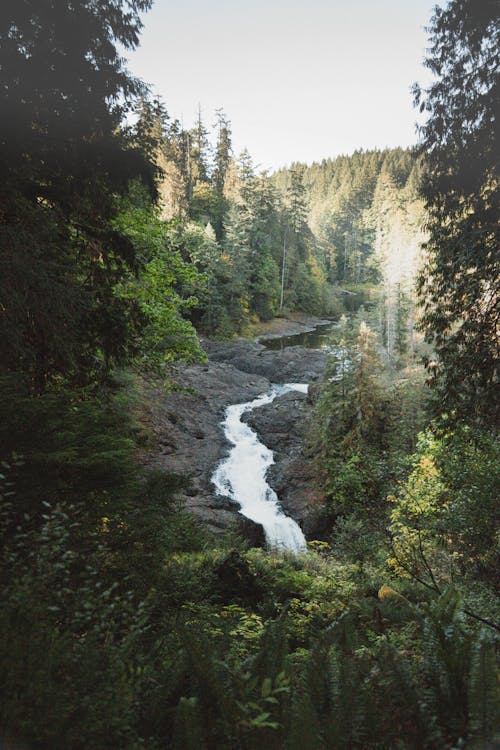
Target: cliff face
(188,438)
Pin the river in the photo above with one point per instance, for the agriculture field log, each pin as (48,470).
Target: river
(316,339)
(242,475)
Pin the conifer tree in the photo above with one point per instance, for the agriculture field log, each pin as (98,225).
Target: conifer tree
(296,202)
(460,281)
(63,160)
(222,150)
(199,151)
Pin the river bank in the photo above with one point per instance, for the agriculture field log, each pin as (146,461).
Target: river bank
(291,325)
(188,438)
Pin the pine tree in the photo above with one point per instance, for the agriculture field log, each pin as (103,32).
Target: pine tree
(222,150)
(460,282)
(199,149)
(63,161)
(175,188)
(297,209)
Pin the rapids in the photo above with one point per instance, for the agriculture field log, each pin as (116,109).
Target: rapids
(241,476)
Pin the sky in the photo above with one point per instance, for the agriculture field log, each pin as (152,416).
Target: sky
(300,80)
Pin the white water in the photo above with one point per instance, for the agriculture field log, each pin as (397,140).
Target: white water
(242,475)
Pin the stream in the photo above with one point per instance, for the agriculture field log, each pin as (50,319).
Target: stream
(316,339)
(242,475)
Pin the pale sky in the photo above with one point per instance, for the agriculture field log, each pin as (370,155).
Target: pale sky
(300,80)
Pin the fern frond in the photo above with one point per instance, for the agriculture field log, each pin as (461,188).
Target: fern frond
(484,703)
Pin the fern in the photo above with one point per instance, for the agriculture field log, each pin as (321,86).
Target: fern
(303,721)
(400,706)
(446,662)
(483,693)
(271,657)
(347,701)
(188,733)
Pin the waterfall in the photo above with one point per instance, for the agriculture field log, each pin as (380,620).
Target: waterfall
(242,474)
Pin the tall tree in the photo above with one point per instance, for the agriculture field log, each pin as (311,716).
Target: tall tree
(199,151)
(175,186)
(222,160)
(351,426)
(460,281)
(222,150)
(63,161)
(296,201)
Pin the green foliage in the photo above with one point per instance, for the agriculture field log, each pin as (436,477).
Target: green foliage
(351,432)
(458,283)
(483,691)
(64,160)
(187,732)
(124,624)
(447,509)
(73,443)
(193,664)
(259,236)
(221,309)
(84,538)
(362,210)
(223,151)
(163,291)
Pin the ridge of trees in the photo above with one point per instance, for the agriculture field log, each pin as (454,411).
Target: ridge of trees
(279,242)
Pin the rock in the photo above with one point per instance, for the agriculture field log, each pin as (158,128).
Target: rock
(251,531)
(281,423)
(281,426)
(318,525)
(293,364)
(190,440)
(293,326)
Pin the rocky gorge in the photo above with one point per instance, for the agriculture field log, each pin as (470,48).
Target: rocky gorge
(188,438)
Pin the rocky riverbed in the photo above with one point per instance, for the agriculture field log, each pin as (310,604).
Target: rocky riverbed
(188,437)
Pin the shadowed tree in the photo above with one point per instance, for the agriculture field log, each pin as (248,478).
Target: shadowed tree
(460,281)
(63,162)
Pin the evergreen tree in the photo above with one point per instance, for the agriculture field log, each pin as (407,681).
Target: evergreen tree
(237,228)
(175,188)
(151,127)
(222,150)
(459,283)
(296,202)
(199,151)
(261,209)
(63,161)
(221,165)
(245,167)
(351,429)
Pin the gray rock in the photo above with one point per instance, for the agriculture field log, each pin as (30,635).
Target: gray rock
(188,437)
(282,426)
(293,364)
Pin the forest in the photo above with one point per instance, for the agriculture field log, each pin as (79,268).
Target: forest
(131,248)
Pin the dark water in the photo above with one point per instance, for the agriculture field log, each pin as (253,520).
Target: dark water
(320,337)
(311,340)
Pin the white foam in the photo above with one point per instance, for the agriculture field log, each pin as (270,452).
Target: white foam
(242,475)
